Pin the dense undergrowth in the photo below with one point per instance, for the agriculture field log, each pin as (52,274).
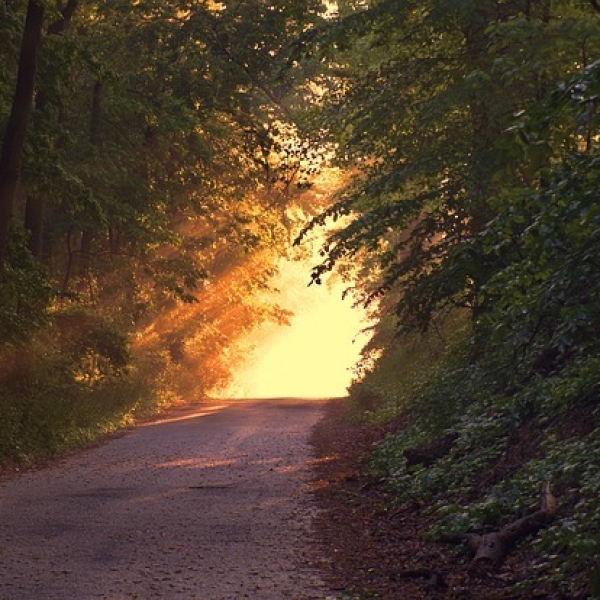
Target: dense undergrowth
(53,399)
(86,372)
(508,443)
(48,407)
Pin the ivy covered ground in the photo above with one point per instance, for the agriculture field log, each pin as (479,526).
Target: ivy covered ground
(388,525)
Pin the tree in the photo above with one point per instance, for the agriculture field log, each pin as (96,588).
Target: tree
(147,116)
(11,155)
(423,124)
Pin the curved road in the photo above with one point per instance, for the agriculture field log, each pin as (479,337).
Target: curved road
(212,503)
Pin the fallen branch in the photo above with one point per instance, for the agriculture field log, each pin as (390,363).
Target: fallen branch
(435,579)
(429,453)
(491,549)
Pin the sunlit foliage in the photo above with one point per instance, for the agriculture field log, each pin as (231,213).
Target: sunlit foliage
(160,165)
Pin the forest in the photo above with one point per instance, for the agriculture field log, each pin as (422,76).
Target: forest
(158,156)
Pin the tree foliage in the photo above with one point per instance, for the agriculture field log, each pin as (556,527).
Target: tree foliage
(146,116)
(472,132)
(424,123)
(149,197)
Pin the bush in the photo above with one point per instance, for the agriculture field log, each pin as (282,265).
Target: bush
(25,294)
(50,399)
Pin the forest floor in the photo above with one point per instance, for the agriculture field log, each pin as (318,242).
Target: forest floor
(378,551)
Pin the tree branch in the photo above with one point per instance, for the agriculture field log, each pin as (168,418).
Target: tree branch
(275,100)
(61,24)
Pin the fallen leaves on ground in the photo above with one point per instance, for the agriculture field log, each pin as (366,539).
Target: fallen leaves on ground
(377,550)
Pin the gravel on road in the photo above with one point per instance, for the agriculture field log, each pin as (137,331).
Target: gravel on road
(211,503)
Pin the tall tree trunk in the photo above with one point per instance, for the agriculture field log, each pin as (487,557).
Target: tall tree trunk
(87,235)
(484,124)
(85,254)
(483,110)
(34,219)
(34,204)
(69,267)
(11,157)
(96,114)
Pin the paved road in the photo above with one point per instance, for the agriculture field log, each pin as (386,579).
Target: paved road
(209,504)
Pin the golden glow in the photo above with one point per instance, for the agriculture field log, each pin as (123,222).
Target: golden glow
(195,414)
(313,356)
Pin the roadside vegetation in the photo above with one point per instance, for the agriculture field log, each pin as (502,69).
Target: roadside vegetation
(476,458)
(472,130)
(150,177)
(153,160)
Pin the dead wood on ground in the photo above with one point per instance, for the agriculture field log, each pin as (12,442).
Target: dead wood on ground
(428,453)
(490,549)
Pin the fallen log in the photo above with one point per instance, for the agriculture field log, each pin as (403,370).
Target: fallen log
(428,453)
(490,549)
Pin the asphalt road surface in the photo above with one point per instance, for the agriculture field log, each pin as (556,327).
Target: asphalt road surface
(212,503)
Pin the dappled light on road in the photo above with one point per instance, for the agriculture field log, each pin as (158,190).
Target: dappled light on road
(184,414)
(213,507)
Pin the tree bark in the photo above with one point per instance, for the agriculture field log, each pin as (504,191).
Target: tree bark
(491,549)
(85,254)
(485,129)
(87,235)
(69,267)
(11,157)
(34,207)
(96,114)
(34,218)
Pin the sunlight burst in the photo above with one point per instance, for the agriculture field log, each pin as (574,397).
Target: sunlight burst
(313,356)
